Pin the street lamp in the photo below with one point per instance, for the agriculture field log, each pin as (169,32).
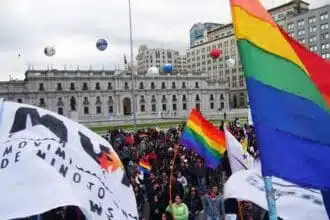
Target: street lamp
(132,64)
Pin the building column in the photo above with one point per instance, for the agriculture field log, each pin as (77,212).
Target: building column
(117,104)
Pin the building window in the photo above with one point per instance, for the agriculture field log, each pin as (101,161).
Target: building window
(312,39)
(221,97)
(153,107)
(126,85)
(153,98)
(222,105)
(326,56)
(163,85)
(164,98)
(98,110)
(173,85)
(197,106)
(325,46)
(324,36)
(41,87)
(109,86)
(211,105)
(324,16)
(324,26)
(311,20)
(183,85)
(86,110)
(98,100)
(97,86)
(110,109)
(197,98)
(142,108)
(19,101)
(42,102)
(174,98)
(174,107)
(312,29)
(184,106)
(60,111)
(164,107)
(141,85)
(241,99)
(72,86)
(60,101)
(59,87)
(85,102)
(196,85)
(313,48)
(110,100)
(142,100)
(85,86)
(290,26)
(301,23)
(211,97)
(301,32)
(152,85)
(184,98)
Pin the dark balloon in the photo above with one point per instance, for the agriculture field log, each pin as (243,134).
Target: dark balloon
(49,51)
(101,44)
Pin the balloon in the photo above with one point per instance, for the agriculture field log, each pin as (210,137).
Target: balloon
(215,53)
(231,63)
(49,51)
(167,68)
(101,44)
(153,70)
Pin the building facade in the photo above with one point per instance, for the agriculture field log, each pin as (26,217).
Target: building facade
(198,32)
(314,34)
(101,95)
(157,57)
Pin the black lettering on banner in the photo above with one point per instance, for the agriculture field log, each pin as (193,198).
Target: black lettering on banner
(37,143)
(101,193)
(95,207)
(89,186)
(134,217)
(22,144)
(8,150)
(63,170)
(52,162)
(55,125)
(48,147)
(41,154)
(17,155)
(109,214)
(60,153)
(124,213)
(4,163)
(76,177)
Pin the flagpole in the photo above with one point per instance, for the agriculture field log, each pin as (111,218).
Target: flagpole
(272,210)
(132,64)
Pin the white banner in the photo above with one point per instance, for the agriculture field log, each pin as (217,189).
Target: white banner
(292,202)
(238,159)
(47,161)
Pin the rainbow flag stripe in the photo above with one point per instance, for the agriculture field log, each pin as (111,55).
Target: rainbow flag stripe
(145,165)
(204,138)
(289,94)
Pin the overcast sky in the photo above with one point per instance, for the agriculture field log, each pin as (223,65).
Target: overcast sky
(73,26)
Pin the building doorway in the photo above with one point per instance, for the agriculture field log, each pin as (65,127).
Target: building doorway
(127,106)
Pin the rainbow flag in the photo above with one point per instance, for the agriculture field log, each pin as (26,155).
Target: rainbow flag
(204,138)
(289,94)
(144,166)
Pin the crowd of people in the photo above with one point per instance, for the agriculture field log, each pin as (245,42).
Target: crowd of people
(194,192)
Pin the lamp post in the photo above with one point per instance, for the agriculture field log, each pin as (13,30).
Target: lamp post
(132,64)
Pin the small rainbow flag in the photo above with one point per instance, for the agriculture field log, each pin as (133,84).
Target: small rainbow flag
(204,138)
(144,166)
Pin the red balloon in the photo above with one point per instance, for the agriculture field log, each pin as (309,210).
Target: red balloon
(215,53)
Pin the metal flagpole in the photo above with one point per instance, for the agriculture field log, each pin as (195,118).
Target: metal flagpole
(132,64)
(272,211)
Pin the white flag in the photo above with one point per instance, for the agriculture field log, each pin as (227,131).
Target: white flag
(250,117)
(238,159)
(47,161)
(292,202)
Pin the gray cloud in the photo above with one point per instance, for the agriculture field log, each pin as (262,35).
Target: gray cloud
(73,26)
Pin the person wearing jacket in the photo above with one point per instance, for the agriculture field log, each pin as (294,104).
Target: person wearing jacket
(179,210)
(194,203)
(213,205)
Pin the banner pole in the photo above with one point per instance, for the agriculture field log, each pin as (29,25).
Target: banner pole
(272,211)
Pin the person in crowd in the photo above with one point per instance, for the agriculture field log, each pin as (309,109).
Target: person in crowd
(213,205)
(194,203)
(179,210)
(167,216)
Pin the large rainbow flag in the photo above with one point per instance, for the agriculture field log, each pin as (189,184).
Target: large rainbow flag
(204,138)
(289,93)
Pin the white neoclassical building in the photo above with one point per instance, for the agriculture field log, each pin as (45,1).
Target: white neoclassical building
(89,95)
